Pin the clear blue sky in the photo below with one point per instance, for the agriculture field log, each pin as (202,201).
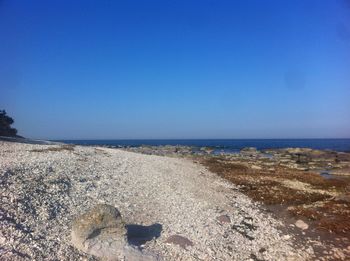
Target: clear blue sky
(176,69)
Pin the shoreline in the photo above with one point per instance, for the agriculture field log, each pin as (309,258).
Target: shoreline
(46,186)
(229,145)
(304,159)
(292,183)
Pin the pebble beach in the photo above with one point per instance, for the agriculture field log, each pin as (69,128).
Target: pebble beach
(173,207)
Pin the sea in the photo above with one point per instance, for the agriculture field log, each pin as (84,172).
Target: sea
(227,145)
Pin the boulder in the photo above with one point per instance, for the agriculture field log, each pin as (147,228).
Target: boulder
(100,232)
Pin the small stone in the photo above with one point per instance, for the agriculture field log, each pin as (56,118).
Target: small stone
(224,219)
(262,250)
(301,224)
(286,237)
(2,240)
(179,240)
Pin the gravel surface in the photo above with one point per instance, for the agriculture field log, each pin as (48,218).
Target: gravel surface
(172,207)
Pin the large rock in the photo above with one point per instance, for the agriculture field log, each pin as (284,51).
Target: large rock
(101,232)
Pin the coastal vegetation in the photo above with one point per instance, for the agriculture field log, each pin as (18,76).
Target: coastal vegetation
(5,125)
(67,147)
(323,201)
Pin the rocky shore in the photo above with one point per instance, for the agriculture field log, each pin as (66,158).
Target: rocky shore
(306,159)
(174,208)
(303,187)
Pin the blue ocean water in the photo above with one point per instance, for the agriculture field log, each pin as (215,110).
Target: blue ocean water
(229,145)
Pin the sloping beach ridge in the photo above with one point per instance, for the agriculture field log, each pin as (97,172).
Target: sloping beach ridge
(172,207)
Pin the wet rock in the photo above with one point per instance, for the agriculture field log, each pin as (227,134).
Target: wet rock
(301,224)
(179,240)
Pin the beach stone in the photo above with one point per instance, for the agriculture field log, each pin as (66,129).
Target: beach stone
(100,232)
(301,224)
(179,240)
(224,219)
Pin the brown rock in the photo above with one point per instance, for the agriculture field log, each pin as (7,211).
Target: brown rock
(179,240)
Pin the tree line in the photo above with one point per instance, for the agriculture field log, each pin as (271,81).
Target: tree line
(5,125)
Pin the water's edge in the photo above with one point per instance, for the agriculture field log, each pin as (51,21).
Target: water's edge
(227,145)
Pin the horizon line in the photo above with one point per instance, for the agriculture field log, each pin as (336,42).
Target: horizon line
(101,139)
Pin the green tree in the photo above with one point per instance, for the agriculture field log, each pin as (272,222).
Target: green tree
(5,125)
